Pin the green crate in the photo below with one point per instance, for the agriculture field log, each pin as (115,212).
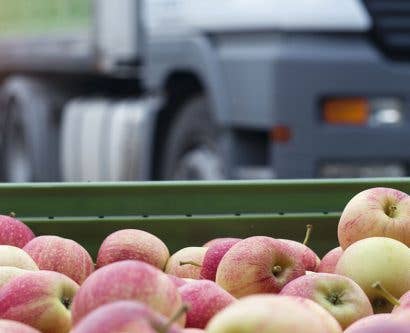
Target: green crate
(188,213)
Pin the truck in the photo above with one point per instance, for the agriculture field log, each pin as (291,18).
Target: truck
(102,90)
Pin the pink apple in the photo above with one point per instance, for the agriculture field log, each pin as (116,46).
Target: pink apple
(214,255)
(193,330)
(14,232)
(15,257)
(186,263)
(10,326)
(380,323)
(376,212)
(124,316)
(177,281)
(8,273)
(215,241)
(258,265)
(404,303)
(309,258)
(127,280)
(39,299)
(61,255)
(329,261)
(273,313)
(133,244)
(204,299)
(339,295)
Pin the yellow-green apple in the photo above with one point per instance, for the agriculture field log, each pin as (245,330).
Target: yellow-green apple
(329,261)
(127,280)
(127,317)
(11,326)
(339,295)
(61,255)
(16,257)
(217,240)
(39,299)
(204,299)
(375,212)
(133,244)
(186,263)
(258,264)
(377,259)
(7,273)
(214,255)
(273,313)
(380,323)
(14,232)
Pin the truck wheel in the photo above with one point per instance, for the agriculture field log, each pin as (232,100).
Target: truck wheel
(29,150)
(191,150)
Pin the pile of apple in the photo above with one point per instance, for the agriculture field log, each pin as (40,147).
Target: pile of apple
(259,284)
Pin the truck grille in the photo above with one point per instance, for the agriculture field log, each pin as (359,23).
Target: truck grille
(391,26)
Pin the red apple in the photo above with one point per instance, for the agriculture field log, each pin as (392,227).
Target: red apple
(10,326)
(8,273)
(133,244)
(204,299)
(177,281)
(13,256)
(127,280)
(14,232)
(214,255)
(127,317)
(376,212)
(258,265)
(273,313)
(61,255)
(329,261)
(193,330)
(339,295)
(39,299)
(186,263)
(215,241)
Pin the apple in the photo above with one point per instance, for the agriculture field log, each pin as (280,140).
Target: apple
(16,257)
(39,299)
(193,330)
(61,255)
(380,323)
(309,258)
(125,316)
(375,212)
(339,295)
(204,299)
(127,280)
(214,255)
(273,313)
(133,244)
(258,264)
(7,273)
(177,281)
(377,259)
(10,326)
(329,261)
(403,303)
(218,240)
(186,263)
(14,232)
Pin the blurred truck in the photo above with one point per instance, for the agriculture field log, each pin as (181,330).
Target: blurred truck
(110,90)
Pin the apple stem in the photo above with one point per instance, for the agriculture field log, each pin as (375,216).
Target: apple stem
(183,309)
(309,228)
(12,214)
(182,263)
(385,293)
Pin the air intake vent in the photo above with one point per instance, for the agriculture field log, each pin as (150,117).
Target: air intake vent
(391,26)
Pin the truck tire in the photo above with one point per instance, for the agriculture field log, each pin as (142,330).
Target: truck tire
(191,149)
(29,150)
